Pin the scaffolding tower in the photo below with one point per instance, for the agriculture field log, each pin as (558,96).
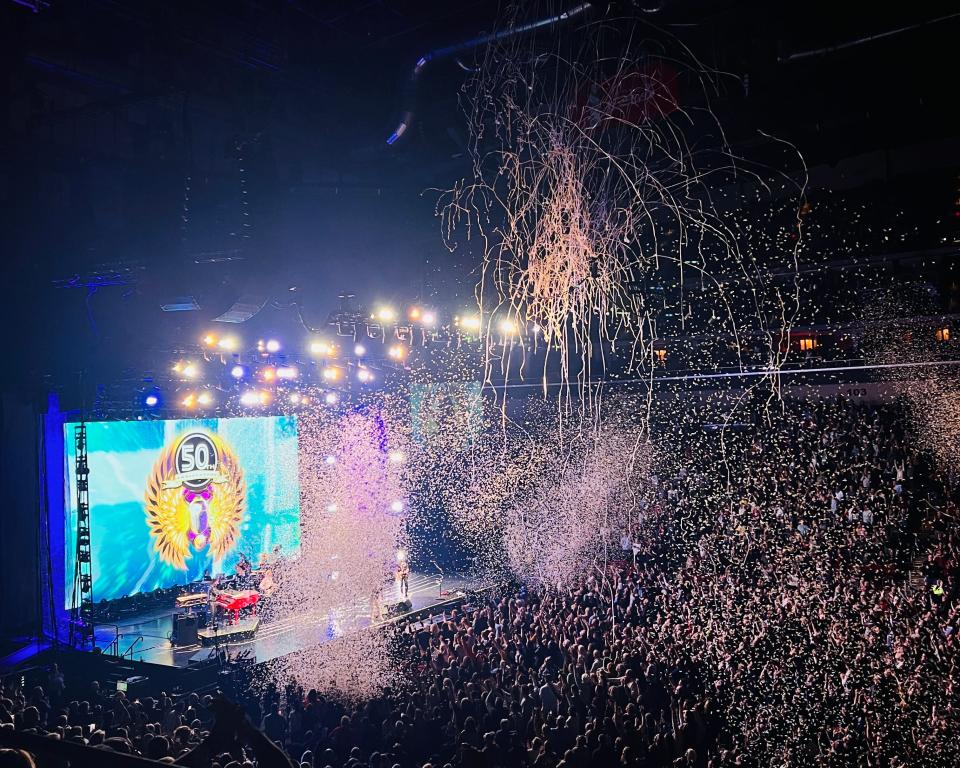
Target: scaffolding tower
(81,617)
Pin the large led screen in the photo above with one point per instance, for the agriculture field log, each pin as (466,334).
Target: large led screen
(171,500)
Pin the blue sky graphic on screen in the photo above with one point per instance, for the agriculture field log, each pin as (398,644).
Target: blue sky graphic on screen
(171,499)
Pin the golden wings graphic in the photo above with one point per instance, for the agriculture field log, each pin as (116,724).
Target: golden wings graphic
(195,497)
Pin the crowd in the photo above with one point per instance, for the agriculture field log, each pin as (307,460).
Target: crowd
(793,601)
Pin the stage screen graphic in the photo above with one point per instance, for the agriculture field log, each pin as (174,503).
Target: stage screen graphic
(170,500)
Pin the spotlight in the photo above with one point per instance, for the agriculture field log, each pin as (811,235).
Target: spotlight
(507,327)
(263,397)
(429,319)
(331,398)
(321,348)
(228,343)
(251,397)
(210,340)
(396,506)
(190,371)
(359,350)
(151,401)
(205,398)
(295,398)
(364,375)
(286,372)
(268,374)
(386,314)
(331,374)
(397,352)
(470,323)
(331,507)
(177,367)
(401,555)
(330,460)
(415,313)
(190,401)
(273,346)
(237,371)
(396,457)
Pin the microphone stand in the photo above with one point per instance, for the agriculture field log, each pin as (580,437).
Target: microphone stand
(435,565)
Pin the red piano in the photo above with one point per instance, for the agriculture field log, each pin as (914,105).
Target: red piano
(237,600)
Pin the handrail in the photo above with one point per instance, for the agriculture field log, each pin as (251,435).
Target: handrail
(114,648)
(130,649)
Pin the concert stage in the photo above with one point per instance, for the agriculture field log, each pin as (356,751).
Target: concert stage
(271,639)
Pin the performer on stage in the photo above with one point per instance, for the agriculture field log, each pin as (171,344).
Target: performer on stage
(403,574)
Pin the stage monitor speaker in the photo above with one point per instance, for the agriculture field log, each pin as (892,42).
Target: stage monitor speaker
(184,630)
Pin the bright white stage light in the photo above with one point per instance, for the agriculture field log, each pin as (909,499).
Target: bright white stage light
(273,345)
(295,398)
(321,348)
(190,371)
(470,323)
(331,460)
(396,457)
(401,555)
(359,350)
(396,506)
(331,398)
(228,343)
(286,372)
(249,398)
(151,400)
(386,314)
(429,319)
(364,375)
(205,398)
(237,371)
(507,327)
(331,374)
(331,507)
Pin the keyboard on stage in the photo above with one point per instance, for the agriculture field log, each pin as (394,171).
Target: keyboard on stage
(191,600)
(237,600)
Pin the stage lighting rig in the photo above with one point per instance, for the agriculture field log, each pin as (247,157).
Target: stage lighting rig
(321,348)
(508,327)
(468,322)
(385,315)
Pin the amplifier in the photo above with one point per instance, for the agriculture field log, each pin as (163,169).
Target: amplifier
(184,630)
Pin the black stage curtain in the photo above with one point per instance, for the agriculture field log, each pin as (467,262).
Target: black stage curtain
(19,514)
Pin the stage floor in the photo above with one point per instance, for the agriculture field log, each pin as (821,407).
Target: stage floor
(275,638)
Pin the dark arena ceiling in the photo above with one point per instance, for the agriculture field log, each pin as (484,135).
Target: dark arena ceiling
(227,151)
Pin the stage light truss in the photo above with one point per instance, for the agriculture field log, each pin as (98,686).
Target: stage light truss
(81,619)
